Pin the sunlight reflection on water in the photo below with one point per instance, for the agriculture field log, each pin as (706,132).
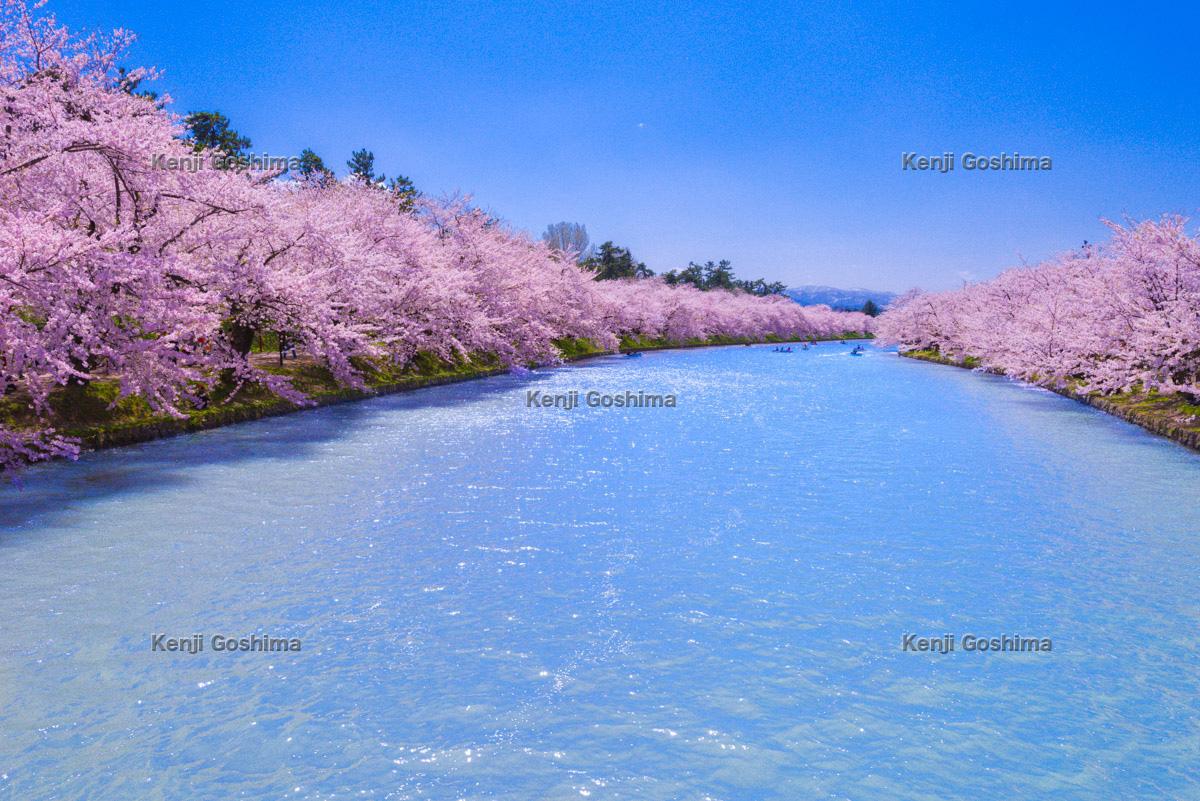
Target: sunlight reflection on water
(502,602)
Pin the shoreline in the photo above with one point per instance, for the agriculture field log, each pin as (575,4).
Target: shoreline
(102,435)
(1165,416)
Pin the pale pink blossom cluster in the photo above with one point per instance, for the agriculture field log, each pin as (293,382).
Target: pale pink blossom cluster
(650,307)
(1121,316)
(113,267)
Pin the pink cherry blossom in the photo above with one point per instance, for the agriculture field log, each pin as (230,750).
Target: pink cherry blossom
(1122,316)
(114,267)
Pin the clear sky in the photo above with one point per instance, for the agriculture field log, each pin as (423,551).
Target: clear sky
(769,134)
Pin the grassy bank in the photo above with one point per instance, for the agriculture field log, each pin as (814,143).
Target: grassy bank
(1171,416)
(98,419)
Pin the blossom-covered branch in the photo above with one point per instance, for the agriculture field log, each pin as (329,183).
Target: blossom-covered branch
(112,267)
(1118,317)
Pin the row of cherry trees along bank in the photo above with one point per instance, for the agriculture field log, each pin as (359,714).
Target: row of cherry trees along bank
(114,268)
(1118,317)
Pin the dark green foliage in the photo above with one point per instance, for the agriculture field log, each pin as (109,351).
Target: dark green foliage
(402,189)
(362,167)
(719,275)
(210,130)
(312,168)
(760,286)
(610,262)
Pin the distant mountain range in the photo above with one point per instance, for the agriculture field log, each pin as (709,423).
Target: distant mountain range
(813,294)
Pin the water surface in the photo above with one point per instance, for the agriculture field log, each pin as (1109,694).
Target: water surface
(706,602)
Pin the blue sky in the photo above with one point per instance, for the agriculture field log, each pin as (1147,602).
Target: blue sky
(769,134)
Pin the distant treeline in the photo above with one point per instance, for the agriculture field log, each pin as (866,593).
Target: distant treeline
(610,262)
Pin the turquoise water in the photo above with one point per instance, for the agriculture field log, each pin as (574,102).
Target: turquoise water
(702,602)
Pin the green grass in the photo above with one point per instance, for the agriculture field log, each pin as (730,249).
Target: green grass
(1167,406)
(659,343)
(97,415)
(577,348)
(931,355)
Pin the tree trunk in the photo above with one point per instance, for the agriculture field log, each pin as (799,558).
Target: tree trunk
(241,338)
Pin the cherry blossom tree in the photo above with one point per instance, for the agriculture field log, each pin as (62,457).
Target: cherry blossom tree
(127,256)
(1122,316)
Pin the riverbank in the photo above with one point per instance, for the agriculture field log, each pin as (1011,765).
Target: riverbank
(98,419)
(1169,416)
